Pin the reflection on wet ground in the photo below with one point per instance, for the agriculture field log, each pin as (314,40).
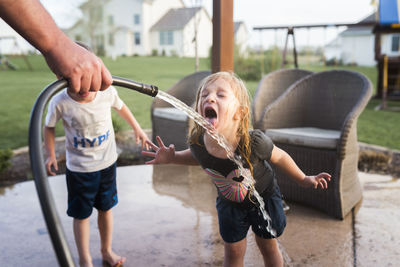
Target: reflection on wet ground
(166,217)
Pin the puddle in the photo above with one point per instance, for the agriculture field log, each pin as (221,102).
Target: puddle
(165,217)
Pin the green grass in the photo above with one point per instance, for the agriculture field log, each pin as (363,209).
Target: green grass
(20,88)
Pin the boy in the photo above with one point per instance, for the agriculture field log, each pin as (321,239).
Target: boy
(91,161)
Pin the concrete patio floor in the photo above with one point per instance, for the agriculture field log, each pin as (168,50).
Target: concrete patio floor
(166,217)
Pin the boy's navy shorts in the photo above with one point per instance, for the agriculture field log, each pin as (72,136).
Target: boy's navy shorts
(235,221)
(91,189)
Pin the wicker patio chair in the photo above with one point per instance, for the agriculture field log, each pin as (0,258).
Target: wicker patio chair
(271,87)
(315,122)
(170,123)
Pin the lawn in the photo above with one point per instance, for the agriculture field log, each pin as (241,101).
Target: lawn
(20,88)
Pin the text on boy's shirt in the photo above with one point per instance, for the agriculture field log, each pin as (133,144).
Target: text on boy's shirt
(86,142)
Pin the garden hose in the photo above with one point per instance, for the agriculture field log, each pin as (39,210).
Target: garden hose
(47,204)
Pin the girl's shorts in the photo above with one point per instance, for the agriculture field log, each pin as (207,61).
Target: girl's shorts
(235,221)
(91,189)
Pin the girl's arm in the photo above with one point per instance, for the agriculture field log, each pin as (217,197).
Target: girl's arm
(284,162)
(51,160)
(165,155)
(141,136)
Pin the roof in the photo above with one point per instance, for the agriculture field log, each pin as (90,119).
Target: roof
(175,19)
(237,25)
(370,18)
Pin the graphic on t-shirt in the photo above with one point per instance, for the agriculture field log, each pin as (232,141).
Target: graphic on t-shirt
(90,142)
(89,135)
(233,187)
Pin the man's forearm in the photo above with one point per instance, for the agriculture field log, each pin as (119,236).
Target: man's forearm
(32,21)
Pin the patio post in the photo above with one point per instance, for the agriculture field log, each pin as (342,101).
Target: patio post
(223,40)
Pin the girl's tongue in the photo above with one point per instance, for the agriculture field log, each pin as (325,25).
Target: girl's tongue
(213,121)
(211,116)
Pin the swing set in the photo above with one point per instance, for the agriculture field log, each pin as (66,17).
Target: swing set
(5,62)
(385,27)
(290,32)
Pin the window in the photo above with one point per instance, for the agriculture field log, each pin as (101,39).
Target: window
(395,43)
(136,19)
(137,38)
(111,39)
(96,13)
(166,38)
(110,20)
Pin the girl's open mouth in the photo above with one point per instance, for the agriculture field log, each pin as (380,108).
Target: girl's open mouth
(211,115)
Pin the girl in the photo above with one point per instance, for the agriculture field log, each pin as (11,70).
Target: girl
(223,101)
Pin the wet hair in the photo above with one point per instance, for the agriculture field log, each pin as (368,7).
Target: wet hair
(241,93)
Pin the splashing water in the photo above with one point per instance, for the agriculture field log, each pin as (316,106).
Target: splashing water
(223,143)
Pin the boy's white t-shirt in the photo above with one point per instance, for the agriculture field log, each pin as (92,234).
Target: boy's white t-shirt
(90,141)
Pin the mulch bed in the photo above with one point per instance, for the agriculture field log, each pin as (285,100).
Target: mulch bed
(372,159)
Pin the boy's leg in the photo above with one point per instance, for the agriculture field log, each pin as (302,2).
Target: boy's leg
(105,223)
(234,253)
(82,236)
(270,251)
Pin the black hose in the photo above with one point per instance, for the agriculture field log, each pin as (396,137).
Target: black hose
(47,204)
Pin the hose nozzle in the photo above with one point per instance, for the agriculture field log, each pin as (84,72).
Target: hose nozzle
(143,88)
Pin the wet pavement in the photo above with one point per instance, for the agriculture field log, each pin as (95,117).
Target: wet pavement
(166,217)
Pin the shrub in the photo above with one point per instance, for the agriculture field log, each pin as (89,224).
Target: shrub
(370,160)
(255,65)
(5,156)
(248,69)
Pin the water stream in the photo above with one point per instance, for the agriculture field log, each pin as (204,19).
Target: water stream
(248,179)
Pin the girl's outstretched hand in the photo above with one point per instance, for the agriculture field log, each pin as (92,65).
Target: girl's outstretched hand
(321,180)
(162,154)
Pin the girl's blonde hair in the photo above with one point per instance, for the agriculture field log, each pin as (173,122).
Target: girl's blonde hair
(240,91)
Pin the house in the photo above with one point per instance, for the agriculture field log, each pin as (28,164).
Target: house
(178,30)
(241,35)
(143,27)
(355,45)
(120,27)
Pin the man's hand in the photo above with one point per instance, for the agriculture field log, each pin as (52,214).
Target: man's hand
(83,70)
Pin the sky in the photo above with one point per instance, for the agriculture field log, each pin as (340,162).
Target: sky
(262,13)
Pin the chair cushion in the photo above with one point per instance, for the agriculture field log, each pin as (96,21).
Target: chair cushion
(170,114)
(305,136)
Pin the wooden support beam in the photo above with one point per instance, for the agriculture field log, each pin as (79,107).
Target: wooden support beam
(223,39)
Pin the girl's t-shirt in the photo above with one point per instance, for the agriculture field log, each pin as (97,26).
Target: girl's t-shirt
(227,176)
(89,133)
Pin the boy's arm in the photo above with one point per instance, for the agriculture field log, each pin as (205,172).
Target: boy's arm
(51,160)
(141,136)
(165,155)
(284,162)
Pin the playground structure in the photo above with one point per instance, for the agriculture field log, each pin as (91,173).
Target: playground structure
(291,33)
(385,25)
(5,62)
(388,86)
